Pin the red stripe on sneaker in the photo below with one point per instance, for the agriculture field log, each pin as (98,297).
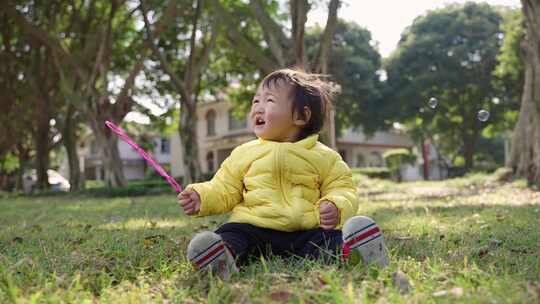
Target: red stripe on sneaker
(209,255)
(362,236)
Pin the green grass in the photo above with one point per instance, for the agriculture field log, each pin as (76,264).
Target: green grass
(462,240)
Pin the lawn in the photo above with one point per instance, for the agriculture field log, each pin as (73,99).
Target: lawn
(463,240)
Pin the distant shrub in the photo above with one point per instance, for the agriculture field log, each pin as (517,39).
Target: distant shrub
(396,158)
(373,172)
(503,174)
(148,186)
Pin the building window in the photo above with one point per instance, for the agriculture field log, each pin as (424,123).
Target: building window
(210,123)
(165,146)
(210,161)
(375,159)
(360,160)
(235,123)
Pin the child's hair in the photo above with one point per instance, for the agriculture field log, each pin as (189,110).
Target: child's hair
(308,90)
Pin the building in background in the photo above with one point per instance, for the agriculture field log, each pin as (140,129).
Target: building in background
(134,167)
(219,131)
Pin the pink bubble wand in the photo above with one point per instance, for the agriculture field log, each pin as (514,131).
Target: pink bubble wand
(123,135)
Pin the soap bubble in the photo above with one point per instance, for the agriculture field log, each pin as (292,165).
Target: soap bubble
(433,102)
(483,115)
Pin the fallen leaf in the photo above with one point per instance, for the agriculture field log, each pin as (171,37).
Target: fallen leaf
(151,240)
(534,289)
(456,291)
(281,296)
(482,252)
(401,282)
(322,281)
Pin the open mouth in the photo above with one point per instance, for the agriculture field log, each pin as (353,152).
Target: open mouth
(259,122)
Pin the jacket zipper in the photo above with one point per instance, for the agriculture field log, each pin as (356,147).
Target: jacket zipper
(279,170)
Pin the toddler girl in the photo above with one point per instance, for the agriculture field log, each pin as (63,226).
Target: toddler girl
(288,194)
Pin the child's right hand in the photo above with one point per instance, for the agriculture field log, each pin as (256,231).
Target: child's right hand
(190,201)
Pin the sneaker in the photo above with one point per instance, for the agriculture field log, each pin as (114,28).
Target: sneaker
(207,251)
(363,240)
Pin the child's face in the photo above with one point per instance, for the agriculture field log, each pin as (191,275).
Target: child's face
(271,114)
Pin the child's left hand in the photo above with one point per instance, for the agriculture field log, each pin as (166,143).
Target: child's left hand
(329,215)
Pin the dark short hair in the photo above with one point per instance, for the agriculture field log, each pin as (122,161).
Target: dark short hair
(308,90)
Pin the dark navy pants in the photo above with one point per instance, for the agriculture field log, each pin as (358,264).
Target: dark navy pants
(250,241)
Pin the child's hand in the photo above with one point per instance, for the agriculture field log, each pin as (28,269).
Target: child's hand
(190,201)
(329,215)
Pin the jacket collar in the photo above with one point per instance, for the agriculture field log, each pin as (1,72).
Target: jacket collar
(307,142)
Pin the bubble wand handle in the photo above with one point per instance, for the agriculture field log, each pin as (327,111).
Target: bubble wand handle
(123,135)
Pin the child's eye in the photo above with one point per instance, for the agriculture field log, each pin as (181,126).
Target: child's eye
(255,101)
(270,100)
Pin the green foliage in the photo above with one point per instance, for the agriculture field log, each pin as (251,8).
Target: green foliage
(491,151)
(457,235)
(372,172)
(510,68)
(396,158)
(354,63)
(9,163)
(449,54)
(403,155)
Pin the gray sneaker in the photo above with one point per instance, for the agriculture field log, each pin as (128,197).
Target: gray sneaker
(208,251)
(363,242)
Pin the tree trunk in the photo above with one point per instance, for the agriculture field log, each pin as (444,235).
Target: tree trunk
(526,141)
(114,174)
(69,135)
(299,11)
(188,138)
(112,163)
(23,163)
(468,155)
(325,46)
(41,140)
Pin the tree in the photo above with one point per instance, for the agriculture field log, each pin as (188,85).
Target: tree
(172,59)
(354,64)
(98,50)
(526,139)
(31,87)
(449,54)
(278,50)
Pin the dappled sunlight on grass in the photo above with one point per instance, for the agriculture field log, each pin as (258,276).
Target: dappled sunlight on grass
(464,240)
(138,224)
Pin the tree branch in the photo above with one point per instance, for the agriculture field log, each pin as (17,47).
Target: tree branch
(299,10)
(273,34)
(161,57)
(240,43)
(45,38)
(124,101)
(188,76)
(325,47)
(207,48)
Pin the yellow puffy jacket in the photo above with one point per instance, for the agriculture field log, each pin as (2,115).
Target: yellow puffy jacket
(279,185)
